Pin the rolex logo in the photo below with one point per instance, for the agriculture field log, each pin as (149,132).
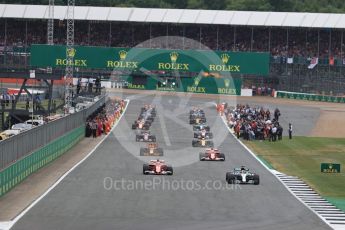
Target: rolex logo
(123,55)
(225,58)
(71,52)
(173,56)
(227,83)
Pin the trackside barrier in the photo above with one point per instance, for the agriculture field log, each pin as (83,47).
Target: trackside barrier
(18,171)
(309,97)
(21,145)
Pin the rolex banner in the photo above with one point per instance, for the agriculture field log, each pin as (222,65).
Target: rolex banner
(208,85)
(140,59)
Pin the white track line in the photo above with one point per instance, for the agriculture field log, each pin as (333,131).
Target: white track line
(163,127)
(280,177)
(9,225)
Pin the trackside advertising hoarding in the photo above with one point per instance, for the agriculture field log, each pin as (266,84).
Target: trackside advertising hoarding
(207,85)
(330,168)
(43,56)
(310,97)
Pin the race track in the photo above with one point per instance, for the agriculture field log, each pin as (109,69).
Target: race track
(195,197)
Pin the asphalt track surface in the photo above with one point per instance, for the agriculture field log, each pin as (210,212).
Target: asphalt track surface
(183,201)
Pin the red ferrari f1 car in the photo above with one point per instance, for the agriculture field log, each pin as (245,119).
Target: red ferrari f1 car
(157,167)
(212,155)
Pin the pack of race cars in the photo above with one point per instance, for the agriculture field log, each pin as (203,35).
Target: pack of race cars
(202,137)
(202,134)
(142,126)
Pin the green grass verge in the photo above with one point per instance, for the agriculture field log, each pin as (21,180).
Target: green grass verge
(302,157)
(338,202)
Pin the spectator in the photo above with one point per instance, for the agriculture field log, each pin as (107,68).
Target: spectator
(253,123)
(7,98)
(13,99)
(94,129)
(98,84)
(27,103)
(2,100)
(90,85)
(37,101)
(103,118)
(78,86)
(290,131)
(88,129)
(274,133)
(276,114)
(280,132)
(54,106)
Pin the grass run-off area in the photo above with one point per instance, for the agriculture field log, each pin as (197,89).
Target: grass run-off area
(302,157)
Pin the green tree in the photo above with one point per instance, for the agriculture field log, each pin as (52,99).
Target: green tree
(251,5)
(215,4)
(196,4)
(281,5)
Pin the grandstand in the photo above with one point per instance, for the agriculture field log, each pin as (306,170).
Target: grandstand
(294,40)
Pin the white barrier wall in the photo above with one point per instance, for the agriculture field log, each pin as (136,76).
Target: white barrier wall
(247,92)
(106,84)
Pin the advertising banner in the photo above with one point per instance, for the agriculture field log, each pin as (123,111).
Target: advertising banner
(141,59)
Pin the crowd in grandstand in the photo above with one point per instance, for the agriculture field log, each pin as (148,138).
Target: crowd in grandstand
(300,46)
(293,42)
(102,120)
(254,123)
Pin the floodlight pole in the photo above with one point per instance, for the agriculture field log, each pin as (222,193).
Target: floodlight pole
(70,52)
(50,25)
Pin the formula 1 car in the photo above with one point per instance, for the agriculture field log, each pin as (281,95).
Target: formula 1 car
(202,143)
(157,167)
(196,111)
(201,127)
(196,114)
(197,120)
(242,175)
(141,124)
(151,150)
(146,117)
(212,155)
(150,109)
(203,134)
(145,136)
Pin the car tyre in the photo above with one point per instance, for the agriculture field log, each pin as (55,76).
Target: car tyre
(145,168)
(169,168)
(230,178)
(201,156)
(256,179)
